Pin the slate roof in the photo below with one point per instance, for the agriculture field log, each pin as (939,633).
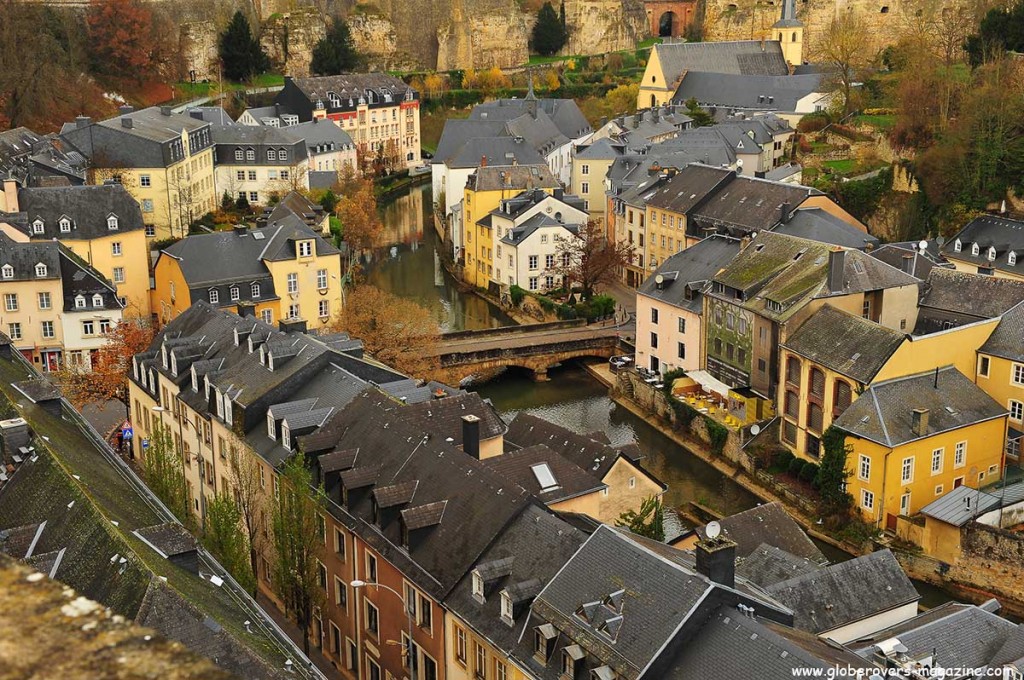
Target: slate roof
(747,204)
(767,523)
(850,345)
(145,145)
(1007,340)
(211,114)
(767,92)
(817,224)
(516,235)
(895,255)
(570,479)
(1004,234)
(978,296)
(16,146)
(768,565)
(602,149)
(540,131)
(254,135)
(87,206)
(960,505)
(960,635)
(691,269)
(746,57)
(352,85)
(443,417)
(883,413)
(497,150)
(512,177)
(170,539)
(564,113)
(78,278)
(686,189)
(321,132)
(298,205)
(458,131)
(847,592)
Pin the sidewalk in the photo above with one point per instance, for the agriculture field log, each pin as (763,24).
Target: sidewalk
(289,627)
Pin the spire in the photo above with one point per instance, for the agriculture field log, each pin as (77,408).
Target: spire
(788,17)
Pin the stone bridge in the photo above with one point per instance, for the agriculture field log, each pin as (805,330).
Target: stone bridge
(535,347)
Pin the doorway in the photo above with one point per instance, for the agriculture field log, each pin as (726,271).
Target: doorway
(667,25)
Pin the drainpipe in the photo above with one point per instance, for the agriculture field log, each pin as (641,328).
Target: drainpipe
(885,478)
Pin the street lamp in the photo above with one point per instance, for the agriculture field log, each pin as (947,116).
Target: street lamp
(407,651)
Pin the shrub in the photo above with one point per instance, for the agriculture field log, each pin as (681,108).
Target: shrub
(668,378)
(782,459)
(718,434)
(518,295)
(813,122)
(850,133)
(795,466)
(809,472)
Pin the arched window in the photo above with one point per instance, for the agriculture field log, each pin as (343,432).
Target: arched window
(793,371)
(817,386)
(654,102)
(842,398)
(814,420)
(792,405)
(794,36)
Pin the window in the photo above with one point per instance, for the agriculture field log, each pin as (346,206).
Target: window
(681,350)
(339,544)
(654,340)
(37,227)
(282,155)
(112,222)
(324,308)
(1016,410)
(1011,258)
(48,329)
(250,155)
(960,455)
(460,645)
(480,661)
(41,270)
(549,261)
(533,261)
(233,293)
(793,371)
(97,300)
(983,366)
(425,616)
(44,301)
(214,296)
(533,283)
(817,383)
(254,289)
(305,248)
(88,328)
(293,312)
(814,417)
(321,279)
(115,248)
(267,316)
(7,271)
(864,469)
(585,188)
(371,568)
(867,499)
(14,330)
(907,471)
(937,456)
(372,619)
(584,169)
(284,174)
(65,225)
(321,572)
(654,315)
(271,154)
(1018,374)
(11,302)
(293,283)
(373,668)
(958,246)
(239,155)
(841,398)
(500,670)
(975,249)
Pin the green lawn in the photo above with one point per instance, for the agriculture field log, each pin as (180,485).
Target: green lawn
(842,167)
(650,42)
(878,121)
(184,90)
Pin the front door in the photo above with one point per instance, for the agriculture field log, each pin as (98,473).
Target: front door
(905,504)
(51,360)
(655,364)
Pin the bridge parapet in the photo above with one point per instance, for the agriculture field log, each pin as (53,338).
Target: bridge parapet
(514,330)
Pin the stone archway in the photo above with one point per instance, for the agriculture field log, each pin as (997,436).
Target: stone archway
(670,18)
(667,25)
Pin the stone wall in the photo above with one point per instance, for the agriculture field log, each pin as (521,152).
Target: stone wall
(289,38)
(374,37)
(197,43)
(473,39)
(599,26)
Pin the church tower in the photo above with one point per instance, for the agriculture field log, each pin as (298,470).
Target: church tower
(789,31)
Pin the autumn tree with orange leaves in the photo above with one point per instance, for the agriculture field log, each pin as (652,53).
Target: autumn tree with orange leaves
(108,377)
(121,38)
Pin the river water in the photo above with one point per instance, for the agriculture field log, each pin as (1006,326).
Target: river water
(409,268)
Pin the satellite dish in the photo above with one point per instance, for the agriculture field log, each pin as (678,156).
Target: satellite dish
(659,279)
(923,245)
(739,162)
(941,241)
(755,429)
(713,530)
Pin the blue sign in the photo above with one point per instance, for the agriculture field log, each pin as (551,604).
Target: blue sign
(145,443)
(127,433)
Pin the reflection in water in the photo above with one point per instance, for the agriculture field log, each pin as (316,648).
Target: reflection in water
(577,401)
(409,267)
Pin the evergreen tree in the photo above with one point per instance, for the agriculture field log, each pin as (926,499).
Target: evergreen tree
(701,118)
(649,521)
(334,53)
(240,52)
(1001,29)
(549,33)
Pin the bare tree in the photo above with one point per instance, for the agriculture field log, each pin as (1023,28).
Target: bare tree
(845,46)
(249,496)
(587,259)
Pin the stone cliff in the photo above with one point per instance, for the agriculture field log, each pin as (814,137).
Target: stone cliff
(289,38)
(599,26)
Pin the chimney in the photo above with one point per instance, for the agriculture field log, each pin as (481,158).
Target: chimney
(292,325)
(716,559)
(9,196)
(196,113)
(471,435)
(165,110)
(907,264)
(82,122)
(836,269)
(785,212)
(483,161)
(240,229)
(126,122)
(246,310)
(654,115)
(919,421)
(125,109)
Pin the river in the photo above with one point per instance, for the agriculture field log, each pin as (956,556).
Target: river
(572,398)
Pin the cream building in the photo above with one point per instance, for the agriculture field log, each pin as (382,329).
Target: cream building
(258,164)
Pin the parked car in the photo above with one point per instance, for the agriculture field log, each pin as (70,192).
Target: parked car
(620,362)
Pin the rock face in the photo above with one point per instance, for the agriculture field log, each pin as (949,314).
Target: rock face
(599,26)
(289,39)
(469,39)
(374,37)
(197,42)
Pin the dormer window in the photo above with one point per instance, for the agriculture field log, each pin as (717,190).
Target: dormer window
(174,364)
(271,426)
(214,296)
(65,225)
(79,302)
(1011,258)
(255,290)
(478,587)
(234,293)
(571,656)
(263,356)
(975,249)
(286,436)
(544,642)
(991,253)
(163,355)
(37,227)
(239,155)
(271,154)
(112,222)
(195,380)
(957,245)
(506,607)
(97,300)
(217,397)
(41,270)
(7,271)
(228,413)
(206,387)
(305,249)
(250,154)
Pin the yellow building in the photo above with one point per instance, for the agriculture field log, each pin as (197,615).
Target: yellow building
(590,166)
(163,159)
(484,191)
(100,224)
(990,244)
(912,439)
(1000,372)
(283,271)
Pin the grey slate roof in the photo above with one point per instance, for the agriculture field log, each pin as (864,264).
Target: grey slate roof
(88,208)
(883,413)
(747,203)
(817,224)
(1007,340)
(525,229)
(570,479)
(691,269)
(978,296)
(321,132)
(848,344)
(147,144)
(602,149)
(767,92)
(211,114)
(686,189)
(909,259)
(564,113)
(768,565)
(443,417)
(458,131)
(513,177)
(352,85)
(767,523)
(1004,234)
(497,150)
(746,57)
(847,592)
(170,539)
